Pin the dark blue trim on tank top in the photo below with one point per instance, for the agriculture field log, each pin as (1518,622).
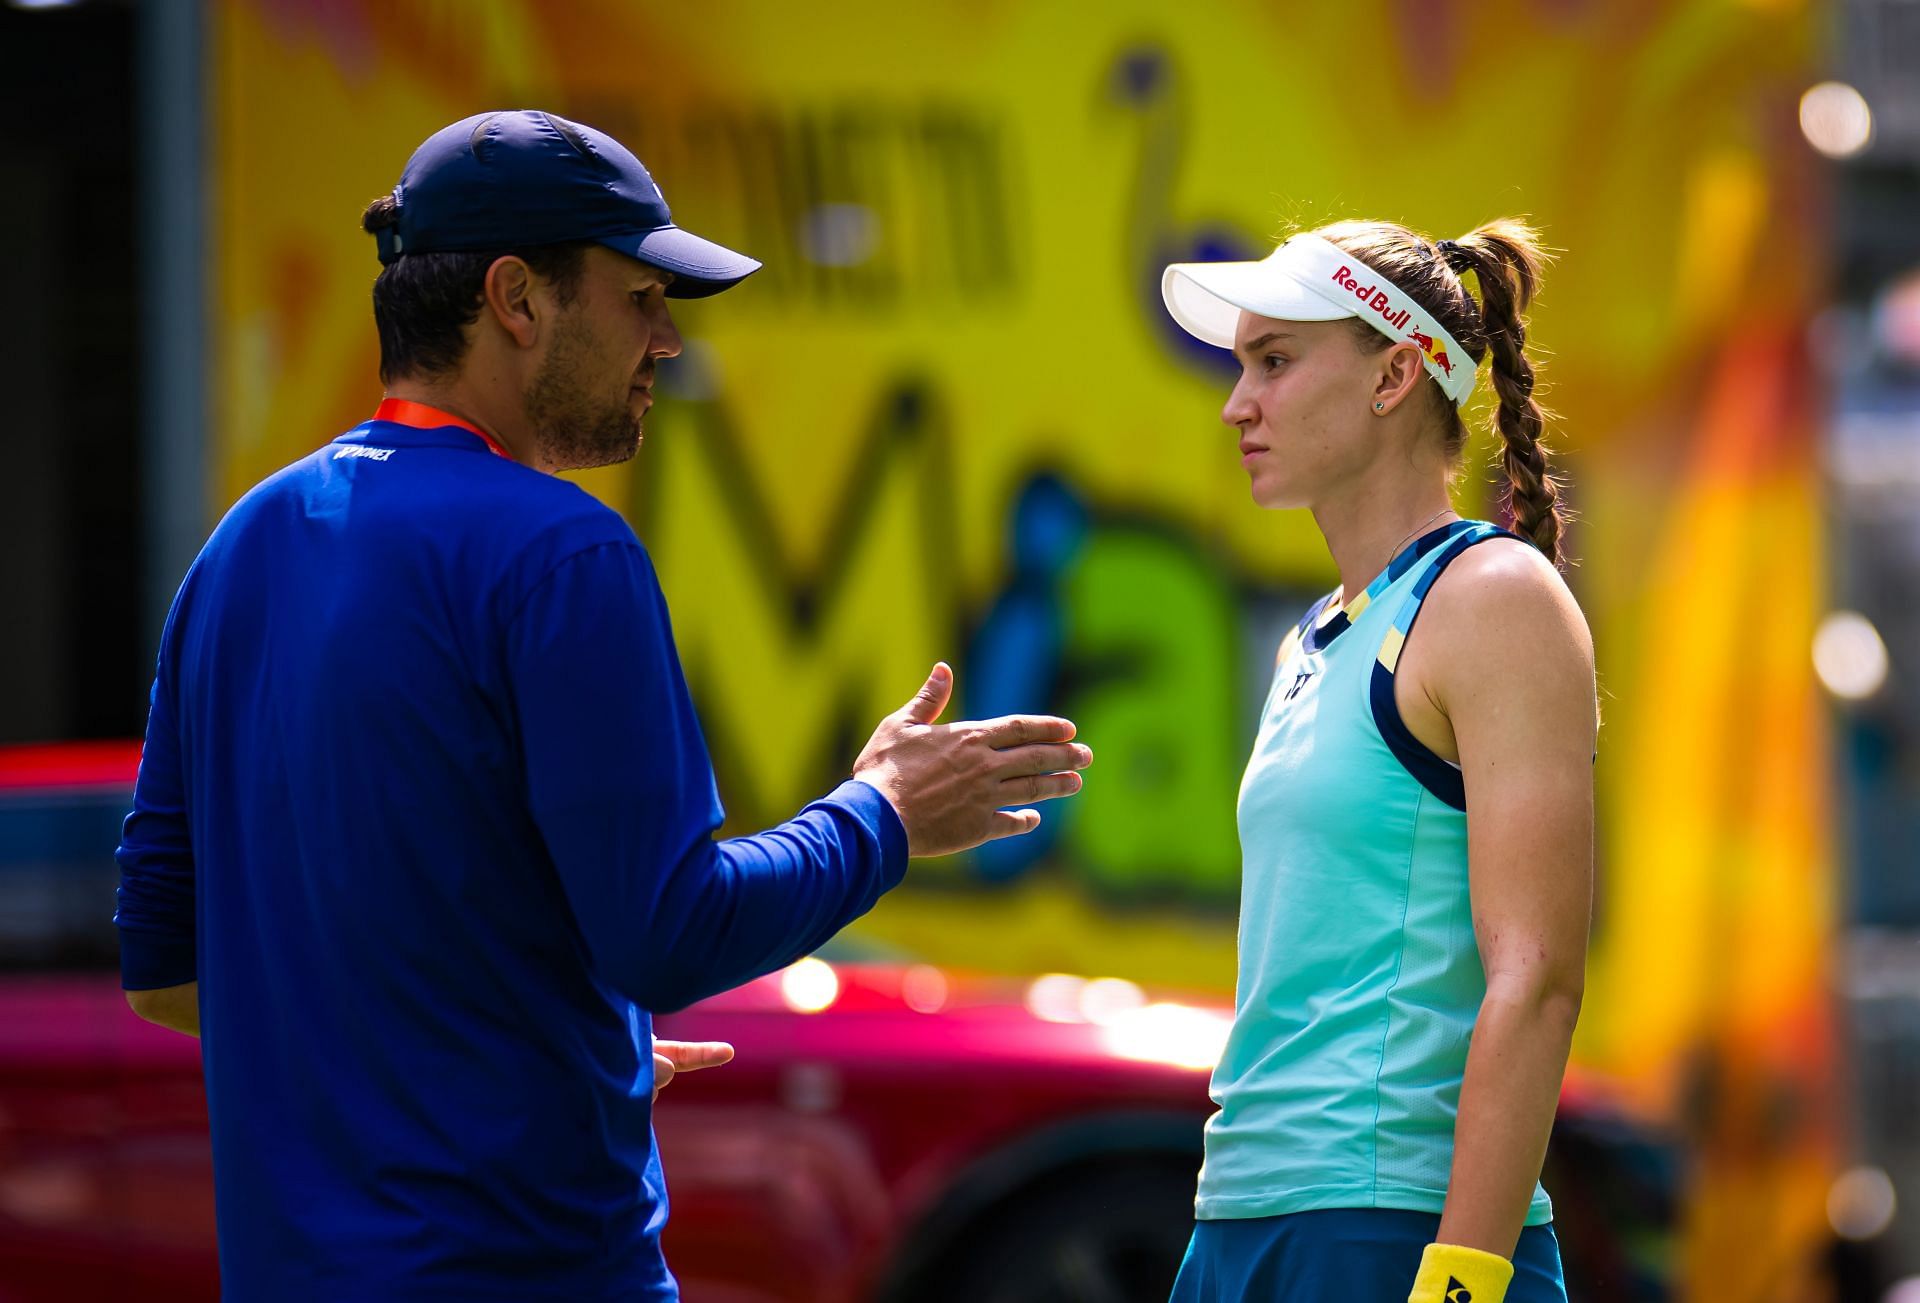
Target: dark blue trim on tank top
(1432,772)
(1312,616)
(1314,640)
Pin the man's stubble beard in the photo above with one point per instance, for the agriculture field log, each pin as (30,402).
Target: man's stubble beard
(575,430)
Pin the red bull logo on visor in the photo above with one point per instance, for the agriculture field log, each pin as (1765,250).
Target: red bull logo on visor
(1374,298)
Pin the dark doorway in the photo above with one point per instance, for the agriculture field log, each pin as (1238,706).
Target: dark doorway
(72,636)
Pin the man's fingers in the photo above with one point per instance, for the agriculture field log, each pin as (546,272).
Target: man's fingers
(1039,787)
(1042,758)
(687,1056)
(1020,730)
(1012,823)
(932,697)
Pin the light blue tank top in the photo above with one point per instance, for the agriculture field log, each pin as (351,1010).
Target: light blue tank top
(1359,977)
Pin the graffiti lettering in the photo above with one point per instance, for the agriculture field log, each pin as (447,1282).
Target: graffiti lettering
(861,205)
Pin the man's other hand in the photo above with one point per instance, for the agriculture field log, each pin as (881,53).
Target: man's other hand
(177,1008)
(670,1057)
(951,782)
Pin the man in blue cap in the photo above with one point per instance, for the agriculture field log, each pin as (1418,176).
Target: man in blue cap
(424,828)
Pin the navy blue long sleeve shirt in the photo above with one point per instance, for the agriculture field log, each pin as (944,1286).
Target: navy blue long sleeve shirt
(426,810)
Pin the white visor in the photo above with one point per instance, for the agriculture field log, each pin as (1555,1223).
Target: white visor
(1311,279)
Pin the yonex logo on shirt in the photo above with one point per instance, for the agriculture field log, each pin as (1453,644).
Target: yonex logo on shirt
(361,450)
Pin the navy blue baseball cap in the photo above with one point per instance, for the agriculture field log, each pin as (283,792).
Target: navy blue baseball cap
(509,180)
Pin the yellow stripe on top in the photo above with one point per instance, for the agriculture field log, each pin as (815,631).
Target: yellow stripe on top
(1390,648)
(1357,607)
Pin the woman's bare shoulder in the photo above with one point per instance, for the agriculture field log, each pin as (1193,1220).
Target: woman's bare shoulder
(1502,606)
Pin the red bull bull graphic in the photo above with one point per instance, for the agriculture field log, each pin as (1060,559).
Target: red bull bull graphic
(1436,353)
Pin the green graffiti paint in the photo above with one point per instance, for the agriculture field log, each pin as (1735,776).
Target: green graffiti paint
(1155,635)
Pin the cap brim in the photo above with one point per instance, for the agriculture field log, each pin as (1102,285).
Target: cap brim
(700,267)
(1207,298)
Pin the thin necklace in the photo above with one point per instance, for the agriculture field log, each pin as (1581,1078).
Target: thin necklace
(1403,542)
(1408,536)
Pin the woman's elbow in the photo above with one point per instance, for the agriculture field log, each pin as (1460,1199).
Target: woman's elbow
(1561,1002)
(1553,997)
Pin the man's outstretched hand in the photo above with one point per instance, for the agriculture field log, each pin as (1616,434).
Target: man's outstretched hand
(670,1057)
(950,781)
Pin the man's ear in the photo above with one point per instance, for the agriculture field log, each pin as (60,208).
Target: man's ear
(507,295)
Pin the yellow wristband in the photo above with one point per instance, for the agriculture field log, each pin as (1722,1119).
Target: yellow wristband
(1453,1273)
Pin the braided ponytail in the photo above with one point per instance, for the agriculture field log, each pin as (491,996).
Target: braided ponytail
(1505,257)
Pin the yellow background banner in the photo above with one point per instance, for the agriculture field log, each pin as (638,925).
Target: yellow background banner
(950,420)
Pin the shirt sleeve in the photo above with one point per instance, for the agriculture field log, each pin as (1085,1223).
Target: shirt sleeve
(155,910)
(622,789)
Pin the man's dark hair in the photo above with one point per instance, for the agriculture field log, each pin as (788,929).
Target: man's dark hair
(422,302)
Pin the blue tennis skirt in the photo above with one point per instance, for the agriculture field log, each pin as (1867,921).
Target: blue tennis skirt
(1339,1255)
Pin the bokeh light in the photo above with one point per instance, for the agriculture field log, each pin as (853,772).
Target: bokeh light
(1175,1034)
(1836,119)
(924,988)
(1861,1203)
(1055,997)
(810,986)
(1106,1000)
(1903,1291)
(1849,656)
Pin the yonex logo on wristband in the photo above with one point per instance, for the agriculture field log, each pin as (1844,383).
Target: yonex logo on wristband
(1456,1292)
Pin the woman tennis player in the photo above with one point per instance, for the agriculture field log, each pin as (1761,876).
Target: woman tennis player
(1417,818)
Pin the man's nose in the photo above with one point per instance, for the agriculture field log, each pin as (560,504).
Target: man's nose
(666,336)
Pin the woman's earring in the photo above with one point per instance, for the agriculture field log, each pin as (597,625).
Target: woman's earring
(1379,407)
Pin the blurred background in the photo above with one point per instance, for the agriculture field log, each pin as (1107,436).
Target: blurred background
(951,420)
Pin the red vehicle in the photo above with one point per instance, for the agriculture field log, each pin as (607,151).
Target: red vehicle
(890,1132)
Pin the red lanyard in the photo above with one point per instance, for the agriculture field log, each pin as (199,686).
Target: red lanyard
(404,411)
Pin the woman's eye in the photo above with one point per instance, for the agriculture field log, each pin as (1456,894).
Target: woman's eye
(1272,362)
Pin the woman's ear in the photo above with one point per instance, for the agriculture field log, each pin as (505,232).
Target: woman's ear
(1401,369)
